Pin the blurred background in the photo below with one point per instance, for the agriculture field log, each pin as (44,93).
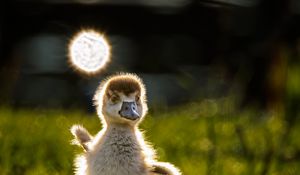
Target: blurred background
(222,77)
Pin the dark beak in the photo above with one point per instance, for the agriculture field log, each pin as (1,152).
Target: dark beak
(128,111)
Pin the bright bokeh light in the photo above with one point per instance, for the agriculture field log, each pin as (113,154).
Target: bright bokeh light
(89,52)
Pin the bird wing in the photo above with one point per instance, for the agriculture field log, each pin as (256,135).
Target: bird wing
(82,136)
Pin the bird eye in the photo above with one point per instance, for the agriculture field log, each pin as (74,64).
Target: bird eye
(137,98)
(115,99)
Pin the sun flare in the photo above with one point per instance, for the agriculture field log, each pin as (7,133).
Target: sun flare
(89,52)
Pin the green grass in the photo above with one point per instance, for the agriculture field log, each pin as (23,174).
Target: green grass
(206,138)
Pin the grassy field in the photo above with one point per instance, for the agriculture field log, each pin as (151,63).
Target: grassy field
(206,138)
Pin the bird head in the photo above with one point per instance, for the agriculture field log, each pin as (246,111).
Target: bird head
(121,99)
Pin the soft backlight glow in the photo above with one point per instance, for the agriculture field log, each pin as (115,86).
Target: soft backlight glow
(89,52)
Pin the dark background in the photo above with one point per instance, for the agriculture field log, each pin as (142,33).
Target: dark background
(183,49)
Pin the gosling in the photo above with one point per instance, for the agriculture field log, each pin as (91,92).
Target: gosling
(119,148)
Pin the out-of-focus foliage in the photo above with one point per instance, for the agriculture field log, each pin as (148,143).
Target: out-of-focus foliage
(205,137)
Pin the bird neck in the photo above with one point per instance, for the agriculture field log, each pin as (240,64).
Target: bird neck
(122,127)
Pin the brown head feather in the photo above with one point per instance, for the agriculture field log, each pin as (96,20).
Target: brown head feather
(125,84)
